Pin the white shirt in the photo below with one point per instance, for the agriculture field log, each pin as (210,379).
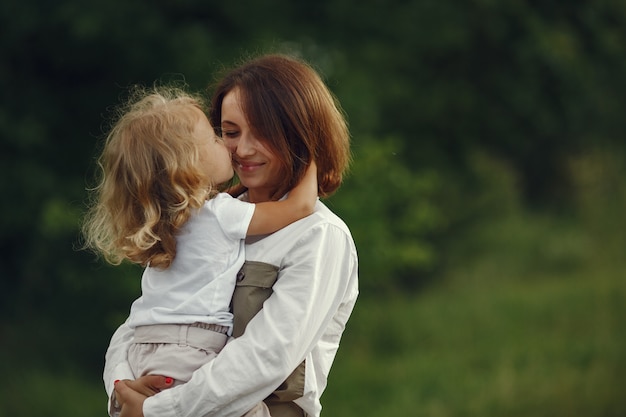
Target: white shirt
(199,284)
(304,318)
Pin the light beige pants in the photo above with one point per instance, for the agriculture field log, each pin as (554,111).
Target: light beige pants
(177,351)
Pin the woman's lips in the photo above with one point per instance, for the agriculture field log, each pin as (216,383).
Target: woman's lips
(247,166)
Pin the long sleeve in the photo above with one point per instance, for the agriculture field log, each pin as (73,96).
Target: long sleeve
(303,318)
(116,364)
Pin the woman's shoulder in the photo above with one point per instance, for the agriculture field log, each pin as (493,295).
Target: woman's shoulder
(325,216)
(305,237)
(322,226)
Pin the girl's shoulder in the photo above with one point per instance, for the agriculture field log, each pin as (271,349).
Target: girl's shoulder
(225,199)
(232,214)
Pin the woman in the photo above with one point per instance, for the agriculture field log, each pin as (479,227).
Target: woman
(276,115)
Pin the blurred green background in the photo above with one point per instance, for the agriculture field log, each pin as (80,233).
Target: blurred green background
(486,196)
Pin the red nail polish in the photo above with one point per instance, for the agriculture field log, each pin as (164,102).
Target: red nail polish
(168,380)
(116,381)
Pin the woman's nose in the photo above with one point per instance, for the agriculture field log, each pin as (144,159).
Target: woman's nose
(243,146)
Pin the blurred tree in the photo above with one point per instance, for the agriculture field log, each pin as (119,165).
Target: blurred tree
(532,82)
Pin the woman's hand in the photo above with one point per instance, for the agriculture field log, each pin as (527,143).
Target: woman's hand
(131,401)
(149,385)
(130,395)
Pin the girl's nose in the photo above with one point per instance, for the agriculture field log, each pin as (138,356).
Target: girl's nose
(231,144)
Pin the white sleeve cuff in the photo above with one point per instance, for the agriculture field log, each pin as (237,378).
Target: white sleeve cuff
(122,371)
(160,405)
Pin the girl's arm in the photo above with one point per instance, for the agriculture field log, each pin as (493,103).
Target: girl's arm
(274,215)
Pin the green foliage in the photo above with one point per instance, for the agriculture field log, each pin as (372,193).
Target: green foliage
(393,214)
(33,393)
(402,227)
(600,194)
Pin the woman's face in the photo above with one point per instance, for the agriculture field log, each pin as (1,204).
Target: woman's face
(256,165)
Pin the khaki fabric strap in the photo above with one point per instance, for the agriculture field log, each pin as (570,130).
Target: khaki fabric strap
(254,286)
(289,409)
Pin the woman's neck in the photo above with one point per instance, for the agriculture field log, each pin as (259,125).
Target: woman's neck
(258,195)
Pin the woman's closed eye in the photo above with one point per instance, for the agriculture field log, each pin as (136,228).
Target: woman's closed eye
(229,133)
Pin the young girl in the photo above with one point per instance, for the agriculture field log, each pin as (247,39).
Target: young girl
(157,205)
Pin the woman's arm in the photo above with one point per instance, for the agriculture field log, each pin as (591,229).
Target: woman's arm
(315,290)
(274,215)
(116,366)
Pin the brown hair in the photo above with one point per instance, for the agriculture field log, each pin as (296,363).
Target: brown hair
(288,106)
(150,179)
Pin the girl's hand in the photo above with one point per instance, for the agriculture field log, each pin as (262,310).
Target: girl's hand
(307,189)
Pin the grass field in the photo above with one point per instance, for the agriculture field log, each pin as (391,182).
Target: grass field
(553,347)
(533,326)
(530,323)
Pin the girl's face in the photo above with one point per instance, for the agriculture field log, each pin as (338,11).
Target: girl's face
(256,165)
(214,155)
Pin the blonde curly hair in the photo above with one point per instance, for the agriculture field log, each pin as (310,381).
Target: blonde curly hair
(150,179)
